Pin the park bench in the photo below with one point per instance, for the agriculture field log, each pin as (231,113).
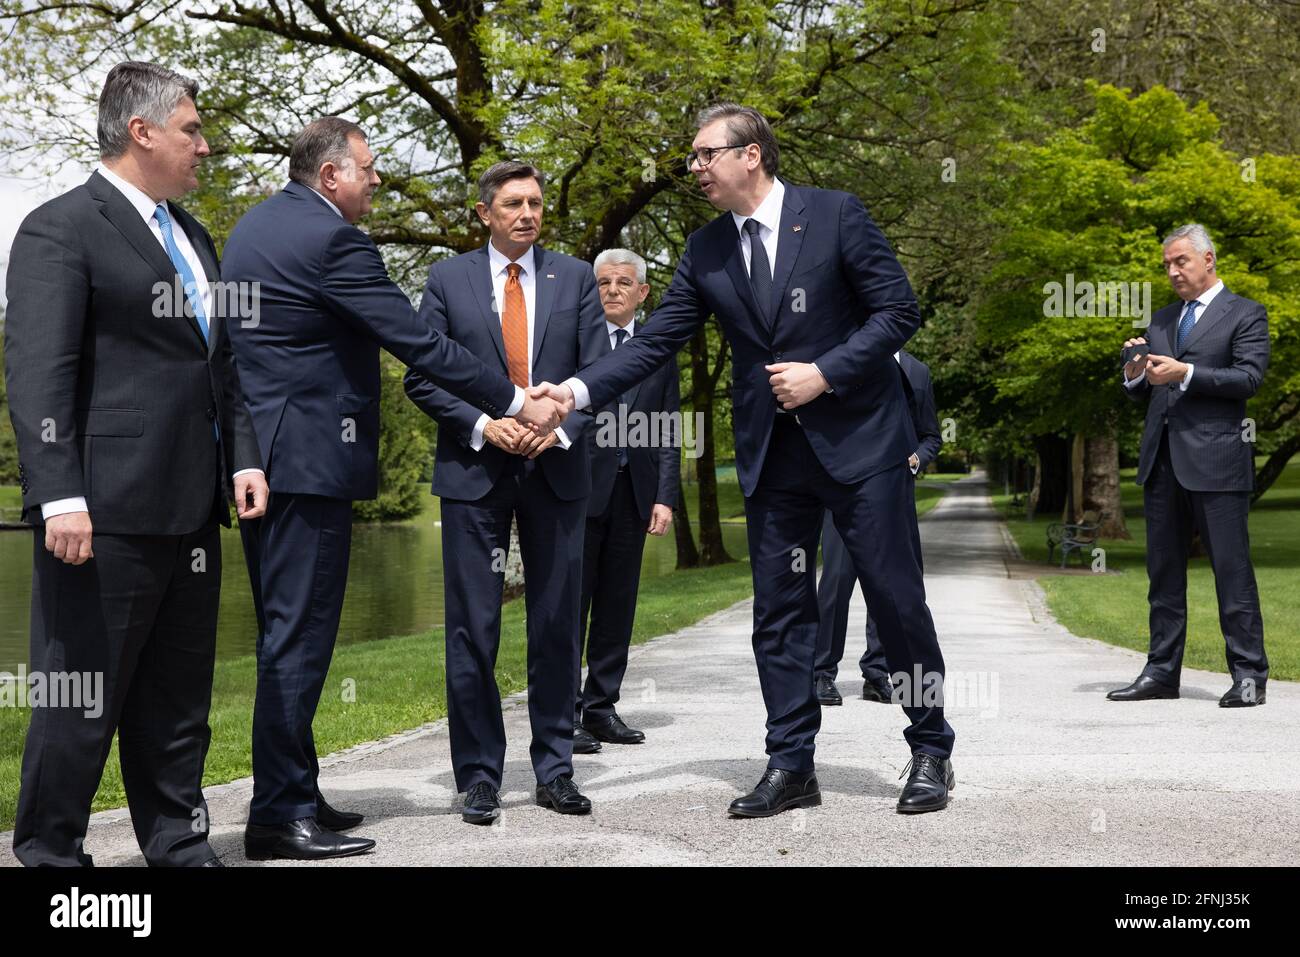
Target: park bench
(1073,536)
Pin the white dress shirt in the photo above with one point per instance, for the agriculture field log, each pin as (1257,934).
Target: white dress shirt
(1204,299)
(145,206)
(499,264)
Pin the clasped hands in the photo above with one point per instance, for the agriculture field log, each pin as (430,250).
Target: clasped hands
(1160,370)
(531,431)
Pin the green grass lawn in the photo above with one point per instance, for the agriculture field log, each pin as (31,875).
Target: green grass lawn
(11,496)
(1114,607)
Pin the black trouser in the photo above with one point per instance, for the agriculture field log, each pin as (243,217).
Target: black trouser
(1171,514)
(834,594)
(297,555)
(475,539)
(611,572)
(142,615)
(877,519)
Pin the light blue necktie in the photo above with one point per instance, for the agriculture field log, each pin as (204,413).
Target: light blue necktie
(182,268)
(1185,327)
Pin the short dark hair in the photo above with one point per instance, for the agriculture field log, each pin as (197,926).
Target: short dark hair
(323,140)
(745,125)
(134,88)
(498,174)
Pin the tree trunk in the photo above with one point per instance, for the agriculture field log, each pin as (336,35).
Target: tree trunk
(687,555)
(1052,475)
(1101,490)
(1272,468)
(712,551)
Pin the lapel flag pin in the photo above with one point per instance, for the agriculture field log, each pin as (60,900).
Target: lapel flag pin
(796,228)
(550,275)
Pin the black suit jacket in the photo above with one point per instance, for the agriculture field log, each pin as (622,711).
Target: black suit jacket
(310,365)
(925,418)
(1229,347)
(568,332)
(108,400)
(839,298)
(655,469)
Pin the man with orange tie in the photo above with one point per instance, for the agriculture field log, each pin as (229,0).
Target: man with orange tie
(549,323)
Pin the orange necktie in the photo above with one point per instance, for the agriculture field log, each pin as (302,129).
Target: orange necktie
(514,328)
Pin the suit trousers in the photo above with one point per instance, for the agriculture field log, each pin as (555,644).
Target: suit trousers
(877,519)
(611,573)
(140,617)
(475,543)
(297,556)
(1171,514)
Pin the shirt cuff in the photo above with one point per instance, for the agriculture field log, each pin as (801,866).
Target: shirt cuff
(516,405)
(823,375)
(563,439)
(1132,383)
(246,471)
(1187,378)
(63,506)
(581,397)
(914,468)
(476,436)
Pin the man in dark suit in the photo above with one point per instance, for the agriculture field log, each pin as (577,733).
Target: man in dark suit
(635,467)
(533,314)
(129,415)
(815,305)
(835,589)
(310,370)
(1207,355)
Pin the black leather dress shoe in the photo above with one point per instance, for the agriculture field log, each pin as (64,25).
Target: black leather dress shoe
(878,690)
(212,862)
(827,694)
(563,795)
(777,791)
(611,730)
(482,804)
(1242,694)
(928,785)
(301,840)
(583,742)
(332,819)
(1144,689)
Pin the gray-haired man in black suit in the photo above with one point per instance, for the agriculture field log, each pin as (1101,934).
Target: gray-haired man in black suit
(1208,353)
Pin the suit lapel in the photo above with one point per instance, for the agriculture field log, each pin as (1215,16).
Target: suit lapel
(480,282)
(790,234)
(1211,314)
(543,298)
(126,220)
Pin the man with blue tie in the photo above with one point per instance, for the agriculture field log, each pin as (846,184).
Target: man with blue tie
(814,304)
(532,314)
(310,370)
(1200,360)
(129,415)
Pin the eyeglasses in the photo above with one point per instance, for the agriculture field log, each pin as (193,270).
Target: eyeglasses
(705,154)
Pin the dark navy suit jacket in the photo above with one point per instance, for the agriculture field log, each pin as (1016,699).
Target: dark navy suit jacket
(841,300)
(310,365)
(1229,347)
(925,418)
(568,332)
(655,469)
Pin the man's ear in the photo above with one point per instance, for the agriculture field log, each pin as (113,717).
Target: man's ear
(138,129)
(482,210)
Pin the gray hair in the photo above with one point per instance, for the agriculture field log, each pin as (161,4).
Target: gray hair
(146,90)
(745,125)
(1197,233)
(498,174)
(621,257)
(323,140)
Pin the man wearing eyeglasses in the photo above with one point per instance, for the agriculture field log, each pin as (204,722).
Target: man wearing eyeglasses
(815,305)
